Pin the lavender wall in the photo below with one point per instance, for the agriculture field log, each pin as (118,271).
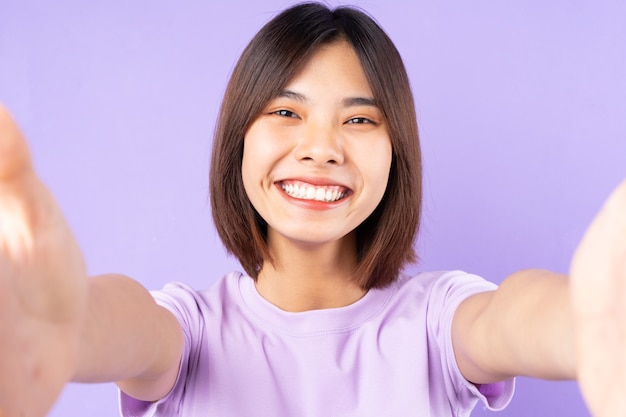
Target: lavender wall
(521,104)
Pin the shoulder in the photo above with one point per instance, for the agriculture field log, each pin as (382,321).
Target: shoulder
(442,286)
(434,297)
(193,306)
(182,293)
(444,291)
(430,297)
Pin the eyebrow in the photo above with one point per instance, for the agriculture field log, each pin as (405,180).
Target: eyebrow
(346,102)
(359,101)
(293,95)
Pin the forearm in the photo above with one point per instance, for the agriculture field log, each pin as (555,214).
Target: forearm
(126,336)
(524,328)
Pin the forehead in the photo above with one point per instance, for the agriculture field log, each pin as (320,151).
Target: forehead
(334,66)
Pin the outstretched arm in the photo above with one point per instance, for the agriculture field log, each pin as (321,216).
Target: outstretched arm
(128,338)
(547,325)
(525,327)
(55,324)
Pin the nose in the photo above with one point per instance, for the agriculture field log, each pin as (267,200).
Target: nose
(320,146)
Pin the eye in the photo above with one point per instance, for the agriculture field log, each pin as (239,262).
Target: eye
(285,113)
(360,120)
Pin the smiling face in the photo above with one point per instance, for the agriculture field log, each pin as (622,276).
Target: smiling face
(316,161)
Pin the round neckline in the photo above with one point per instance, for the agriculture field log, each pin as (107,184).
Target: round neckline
(312,322)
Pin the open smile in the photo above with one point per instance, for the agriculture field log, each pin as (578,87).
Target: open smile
(324,193)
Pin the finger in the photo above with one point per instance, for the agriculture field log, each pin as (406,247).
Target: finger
(24,201)
(14,155)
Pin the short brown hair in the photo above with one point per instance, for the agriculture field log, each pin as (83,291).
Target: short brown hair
(273,57)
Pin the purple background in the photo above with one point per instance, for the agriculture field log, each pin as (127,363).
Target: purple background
(521,107)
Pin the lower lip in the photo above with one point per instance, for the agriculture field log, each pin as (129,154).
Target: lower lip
(313,204)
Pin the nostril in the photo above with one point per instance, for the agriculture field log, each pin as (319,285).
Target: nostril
(319,153)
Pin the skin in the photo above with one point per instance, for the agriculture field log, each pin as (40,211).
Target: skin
(108,328)
(598,280)
(42,287)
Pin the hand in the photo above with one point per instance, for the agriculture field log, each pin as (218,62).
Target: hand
(598,283)
(42,285)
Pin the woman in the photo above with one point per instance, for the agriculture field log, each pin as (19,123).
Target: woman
(315,188)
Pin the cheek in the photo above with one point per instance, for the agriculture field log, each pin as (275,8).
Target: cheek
(253,172)
(250,160)
(252,154)
(260,154)
(378,163)
(247,168)
(261,146)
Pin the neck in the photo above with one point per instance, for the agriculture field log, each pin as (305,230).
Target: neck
(310,277)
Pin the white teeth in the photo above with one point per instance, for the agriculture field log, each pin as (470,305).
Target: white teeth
(320,194)
(310,192)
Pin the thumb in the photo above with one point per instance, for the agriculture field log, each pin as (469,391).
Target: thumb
(14,155)
(25,203)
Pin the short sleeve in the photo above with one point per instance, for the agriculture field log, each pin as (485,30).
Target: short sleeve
(447,293)
(183,302)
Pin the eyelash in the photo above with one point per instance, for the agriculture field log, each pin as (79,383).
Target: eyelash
(360,120)
(285,113)
(354,120)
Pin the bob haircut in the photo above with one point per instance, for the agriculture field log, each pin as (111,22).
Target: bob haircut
(271,59)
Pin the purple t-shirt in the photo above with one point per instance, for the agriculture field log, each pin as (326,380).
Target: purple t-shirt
(388,354)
